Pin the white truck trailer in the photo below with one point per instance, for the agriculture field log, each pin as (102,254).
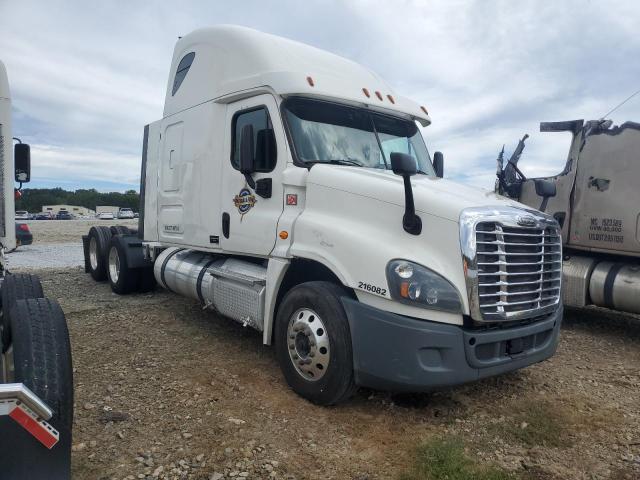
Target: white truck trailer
(291,190)
(36,379)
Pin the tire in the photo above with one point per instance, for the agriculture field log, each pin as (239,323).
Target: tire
(120,230)
(16,287)
(315,310)
(122,278)
(42,361)
(98,247)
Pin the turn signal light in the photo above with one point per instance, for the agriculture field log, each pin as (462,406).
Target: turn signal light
(284,235)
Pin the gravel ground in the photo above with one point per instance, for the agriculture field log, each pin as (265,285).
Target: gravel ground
(57,243)
(166,390)
(53,255)
(68,231)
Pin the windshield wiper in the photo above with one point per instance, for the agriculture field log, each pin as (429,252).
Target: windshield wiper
(342,161)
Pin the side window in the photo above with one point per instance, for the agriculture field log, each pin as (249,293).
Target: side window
(181,71)
(264,142)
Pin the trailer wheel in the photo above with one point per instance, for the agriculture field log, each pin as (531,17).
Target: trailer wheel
(15,287)
(40,357)
(122,278)
(98,246)
(313,343)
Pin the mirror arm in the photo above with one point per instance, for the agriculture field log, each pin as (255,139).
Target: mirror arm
(250,181)
(410,221)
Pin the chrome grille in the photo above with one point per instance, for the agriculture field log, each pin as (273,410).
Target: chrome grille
(514,272)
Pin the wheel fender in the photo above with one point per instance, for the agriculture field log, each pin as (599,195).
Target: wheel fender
(133,251)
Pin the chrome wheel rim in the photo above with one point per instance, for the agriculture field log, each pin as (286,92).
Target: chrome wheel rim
(93,253)
(114,265)
(308,344)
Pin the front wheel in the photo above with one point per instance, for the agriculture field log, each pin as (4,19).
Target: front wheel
(313,343)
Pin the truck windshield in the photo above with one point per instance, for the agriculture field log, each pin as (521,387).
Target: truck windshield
(325,132)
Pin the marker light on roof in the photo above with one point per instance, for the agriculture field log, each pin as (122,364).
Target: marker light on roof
(391,99)
(379,95)
(424,110)
(366,92)
(310,81)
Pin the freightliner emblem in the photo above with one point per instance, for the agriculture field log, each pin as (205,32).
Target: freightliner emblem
(526,221)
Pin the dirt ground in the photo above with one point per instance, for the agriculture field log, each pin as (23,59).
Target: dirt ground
(164,389)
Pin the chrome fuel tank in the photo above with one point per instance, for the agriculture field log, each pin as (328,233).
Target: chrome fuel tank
(233,287)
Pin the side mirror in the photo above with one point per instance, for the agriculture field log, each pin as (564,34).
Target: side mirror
(406,166)
(247,166)
(403,164)
(438,164)
(545,188)
(22,159)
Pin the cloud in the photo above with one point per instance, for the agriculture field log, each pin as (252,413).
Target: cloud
(87,76)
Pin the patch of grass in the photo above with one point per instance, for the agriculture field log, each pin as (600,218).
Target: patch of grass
(539,423)
(445,459)
(557,423)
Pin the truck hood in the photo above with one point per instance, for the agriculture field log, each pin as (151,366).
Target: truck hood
(432,196)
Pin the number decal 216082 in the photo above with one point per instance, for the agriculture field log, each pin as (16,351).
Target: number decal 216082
(372,288)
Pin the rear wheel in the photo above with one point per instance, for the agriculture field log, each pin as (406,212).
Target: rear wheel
(16,287)
(313,343)
(120,230)
(98,247)
(122,278)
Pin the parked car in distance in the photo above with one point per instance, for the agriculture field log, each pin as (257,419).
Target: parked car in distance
(106,216)
(125,213)
(136,215)
(23,234)
(63,215)
(22,215)
(42,216)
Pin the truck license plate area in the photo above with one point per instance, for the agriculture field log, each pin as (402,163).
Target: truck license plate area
(515,346)
(495,347)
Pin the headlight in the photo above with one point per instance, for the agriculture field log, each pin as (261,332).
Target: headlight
(417,285)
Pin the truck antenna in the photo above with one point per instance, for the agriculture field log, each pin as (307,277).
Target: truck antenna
(619,105)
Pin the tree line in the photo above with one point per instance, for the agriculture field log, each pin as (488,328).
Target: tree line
(33,199)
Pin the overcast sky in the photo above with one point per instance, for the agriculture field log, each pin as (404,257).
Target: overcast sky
(87,76)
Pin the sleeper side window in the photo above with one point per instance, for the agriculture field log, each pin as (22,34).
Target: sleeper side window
(181,71)
(264,142)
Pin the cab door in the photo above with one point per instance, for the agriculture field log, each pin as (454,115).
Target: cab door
(250,215)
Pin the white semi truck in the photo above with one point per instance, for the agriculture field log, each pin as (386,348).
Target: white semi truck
(36,379)
(291,190)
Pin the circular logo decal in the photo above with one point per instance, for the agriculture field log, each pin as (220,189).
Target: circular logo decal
(244,201)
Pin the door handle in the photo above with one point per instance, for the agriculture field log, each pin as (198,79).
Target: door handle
(226,223)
